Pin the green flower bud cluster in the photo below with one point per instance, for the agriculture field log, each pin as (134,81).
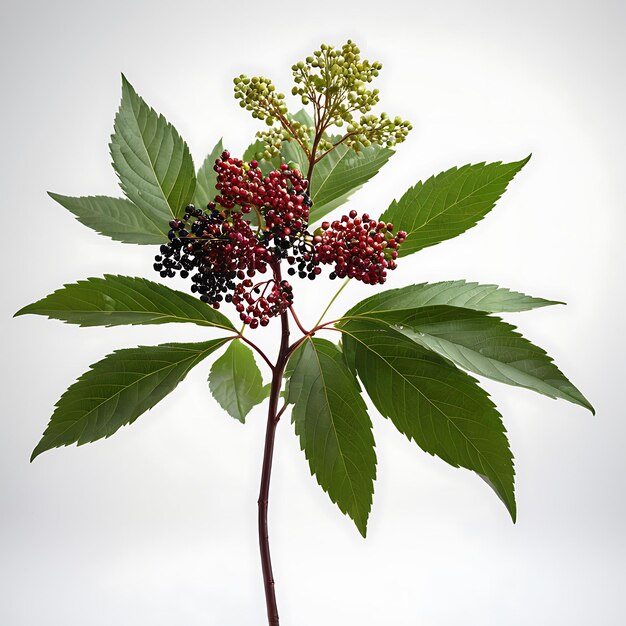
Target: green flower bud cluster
(336,81)
(340,76)
(259,96)
(381,130)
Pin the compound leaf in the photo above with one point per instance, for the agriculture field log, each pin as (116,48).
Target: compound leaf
(433,403)
(335,431)
(485,345)
(450,203)
(151,159)
(115,300)
(116,218)
(458,293)
(236,382)
(118,389)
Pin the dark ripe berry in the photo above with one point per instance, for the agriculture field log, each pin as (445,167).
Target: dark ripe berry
(221,249)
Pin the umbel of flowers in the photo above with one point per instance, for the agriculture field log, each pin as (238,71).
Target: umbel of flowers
(240,230)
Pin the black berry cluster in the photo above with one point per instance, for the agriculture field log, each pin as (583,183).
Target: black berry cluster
(221,252)
(358,247)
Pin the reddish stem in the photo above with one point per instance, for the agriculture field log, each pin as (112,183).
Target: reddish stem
(297,321)
(255,347)
(273,417)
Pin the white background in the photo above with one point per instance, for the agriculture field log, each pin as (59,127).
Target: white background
(157,525)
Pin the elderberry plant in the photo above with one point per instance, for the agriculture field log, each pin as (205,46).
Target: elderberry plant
(235,225)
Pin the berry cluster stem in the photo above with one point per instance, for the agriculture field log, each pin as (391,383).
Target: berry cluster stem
(273,416)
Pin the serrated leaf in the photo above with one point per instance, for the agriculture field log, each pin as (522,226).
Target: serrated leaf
(458,293)
(450,203)
(236,382)
(433,403)
(115,300)
(207,177)
(335,431)
(485,345)
(116,218)
(151,159)
(118,389)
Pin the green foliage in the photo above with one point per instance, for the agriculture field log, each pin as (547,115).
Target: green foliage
(334,428)
(459,293)
(235,381)
(118,389)
(450,203)
(115,300)
(207,177)
(117,218)
(485,345)
(151,159)
(433,403)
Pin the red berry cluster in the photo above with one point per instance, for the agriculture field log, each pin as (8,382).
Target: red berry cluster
(257,303)
(280,196)
(358,247)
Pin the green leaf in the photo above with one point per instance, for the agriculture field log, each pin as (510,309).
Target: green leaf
(432,402)
(236,382)
(486,346)
(117,218)
(338,175)
(115,300)
(118,389)
(151,159)
(334,428)
(450,203)
(206,178)
(458,293)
